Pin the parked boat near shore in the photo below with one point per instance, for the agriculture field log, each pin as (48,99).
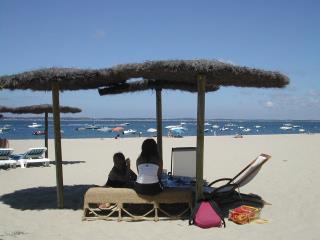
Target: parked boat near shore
(35,125)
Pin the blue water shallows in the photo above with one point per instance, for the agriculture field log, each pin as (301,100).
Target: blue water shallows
(80,128)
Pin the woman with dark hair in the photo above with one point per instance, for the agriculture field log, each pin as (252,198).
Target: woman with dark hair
(149,169)
(121,175)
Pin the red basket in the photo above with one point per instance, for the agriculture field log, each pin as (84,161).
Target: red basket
(244,214)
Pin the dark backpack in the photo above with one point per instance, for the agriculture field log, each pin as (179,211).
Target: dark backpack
(207,214)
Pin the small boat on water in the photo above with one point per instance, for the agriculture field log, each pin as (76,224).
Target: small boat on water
(285,128)
(246,130)
(151,130)
(5,128)
(39,132)
(215,126)
(171,126)
(301,130)
(104,129)
(91,127)
(35,125)
(130,131)
(124,124)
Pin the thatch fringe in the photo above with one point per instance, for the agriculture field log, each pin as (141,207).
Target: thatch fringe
(147,84)
(173,71)
(38,109)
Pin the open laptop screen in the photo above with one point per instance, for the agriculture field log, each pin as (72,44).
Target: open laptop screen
(183,162)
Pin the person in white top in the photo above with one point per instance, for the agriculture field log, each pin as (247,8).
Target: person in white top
(149,169)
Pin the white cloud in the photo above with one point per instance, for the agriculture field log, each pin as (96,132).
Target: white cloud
(269,104)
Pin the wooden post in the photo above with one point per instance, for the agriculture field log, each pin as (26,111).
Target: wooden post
(159,122)
(46,133)
(57,143)
(200,135)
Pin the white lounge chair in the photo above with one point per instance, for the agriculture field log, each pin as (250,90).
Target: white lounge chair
(5,154)
(33,155)
(242,178)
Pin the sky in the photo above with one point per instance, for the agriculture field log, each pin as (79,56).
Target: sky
(271,35)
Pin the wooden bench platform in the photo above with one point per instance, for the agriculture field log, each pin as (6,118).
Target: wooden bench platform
(120,200)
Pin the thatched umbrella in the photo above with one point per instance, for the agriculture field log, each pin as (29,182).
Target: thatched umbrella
(40,109)
(194,76)
(176,74)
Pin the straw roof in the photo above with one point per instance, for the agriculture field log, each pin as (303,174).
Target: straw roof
(38,109)
(173,74)
(68,79)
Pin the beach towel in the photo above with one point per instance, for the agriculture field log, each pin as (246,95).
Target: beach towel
(207,214)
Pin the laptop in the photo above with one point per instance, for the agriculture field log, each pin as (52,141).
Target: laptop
(183,162)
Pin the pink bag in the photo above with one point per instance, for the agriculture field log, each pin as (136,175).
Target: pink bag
(206,215)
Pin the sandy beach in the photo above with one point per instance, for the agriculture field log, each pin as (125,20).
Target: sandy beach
(288,181)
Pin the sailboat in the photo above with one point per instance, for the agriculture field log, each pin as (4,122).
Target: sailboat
(35,125)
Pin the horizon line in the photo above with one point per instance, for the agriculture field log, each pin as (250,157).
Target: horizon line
(153,118)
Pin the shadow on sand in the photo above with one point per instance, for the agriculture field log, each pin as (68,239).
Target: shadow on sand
(237,199)
(42,198)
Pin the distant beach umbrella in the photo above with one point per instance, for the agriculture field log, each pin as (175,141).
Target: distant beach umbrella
(39,109)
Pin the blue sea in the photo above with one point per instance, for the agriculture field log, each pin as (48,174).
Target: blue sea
(17,128)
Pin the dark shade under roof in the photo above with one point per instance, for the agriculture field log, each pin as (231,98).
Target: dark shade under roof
(142,85)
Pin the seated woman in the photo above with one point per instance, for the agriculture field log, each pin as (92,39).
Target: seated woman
(149,169)
(121,175)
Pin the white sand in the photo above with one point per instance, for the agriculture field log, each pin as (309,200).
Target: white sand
(290,181)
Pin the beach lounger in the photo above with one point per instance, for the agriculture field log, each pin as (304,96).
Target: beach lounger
(241,179)
(5,159)
(123,200)
(33,155)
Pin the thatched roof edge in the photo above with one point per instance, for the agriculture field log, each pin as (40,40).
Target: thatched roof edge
(38,109)
(179,71)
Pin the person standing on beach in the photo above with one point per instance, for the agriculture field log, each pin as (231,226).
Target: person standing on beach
(149,169)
